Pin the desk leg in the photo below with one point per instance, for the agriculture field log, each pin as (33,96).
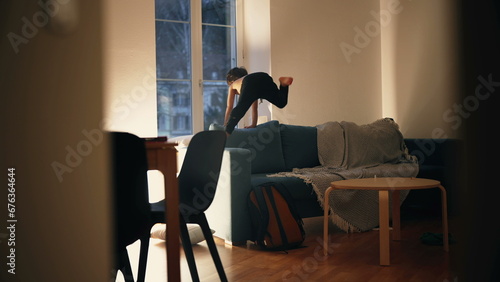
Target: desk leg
(383,197)
(326,208)
(444,211)
(167,164)
(396,218)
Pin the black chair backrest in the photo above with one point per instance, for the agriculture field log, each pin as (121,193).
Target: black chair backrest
(130,188)
(200,171)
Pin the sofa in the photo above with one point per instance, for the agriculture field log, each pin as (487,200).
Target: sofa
(439,159)
(252,154)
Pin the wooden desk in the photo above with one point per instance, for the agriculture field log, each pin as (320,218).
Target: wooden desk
(384,185)
(162,157)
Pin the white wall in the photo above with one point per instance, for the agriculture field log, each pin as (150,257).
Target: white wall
(305,44)
(256,35)
(349,63)
(344,67)
(420,66)
(130,67)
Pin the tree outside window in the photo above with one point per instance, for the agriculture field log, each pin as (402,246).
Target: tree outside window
(184,76)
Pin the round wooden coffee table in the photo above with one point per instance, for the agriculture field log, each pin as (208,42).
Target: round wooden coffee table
(384,185)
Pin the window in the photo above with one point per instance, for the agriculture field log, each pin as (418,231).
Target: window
(195,47)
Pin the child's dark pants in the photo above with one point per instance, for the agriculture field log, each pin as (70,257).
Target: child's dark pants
(256,86)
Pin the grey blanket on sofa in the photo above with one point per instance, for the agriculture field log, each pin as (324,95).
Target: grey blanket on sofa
(346,151)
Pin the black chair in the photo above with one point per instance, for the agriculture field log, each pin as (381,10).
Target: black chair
(132,213)
(197,180)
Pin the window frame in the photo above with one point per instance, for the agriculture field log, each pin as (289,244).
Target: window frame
(196,27)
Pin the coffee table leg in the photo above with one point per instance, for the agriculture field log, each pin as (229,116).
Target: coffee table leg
(383,198)
(326,208)
(396,218)
(444,211)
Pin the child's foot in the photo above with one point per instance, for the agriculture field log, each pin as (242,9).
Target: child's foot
(286,81)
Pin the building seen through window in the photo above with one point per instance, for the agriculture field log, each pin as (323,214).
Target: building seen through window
(191,69)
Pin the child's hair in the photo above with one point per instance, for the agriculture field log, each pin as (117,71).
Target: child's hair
(235,73)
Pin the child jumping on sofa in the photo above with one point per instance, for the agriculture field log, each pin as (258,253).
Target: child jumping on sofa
(252,87)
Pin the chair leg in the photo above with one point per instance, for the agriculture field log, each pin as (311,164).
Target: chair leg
(125,267)
(207,233)
(114,274)
(188,250)
(143,258)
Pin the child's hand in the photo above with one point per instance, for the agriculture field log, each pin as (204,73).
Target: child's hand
(250,126)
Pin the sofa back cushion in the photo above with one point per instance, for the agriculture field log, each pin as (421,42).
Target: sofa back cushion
(438,152)
(264,143)
(300,146)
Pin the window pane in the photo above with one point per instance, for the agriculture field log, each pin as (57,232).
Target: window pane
(174,108)
(214,102)
(218,12)
(218,52)
(174,62)
(173,55)
(177,10)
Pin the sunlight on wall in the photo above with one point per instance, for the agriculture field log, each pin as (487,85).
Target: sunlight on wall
(130,67)
(388,62)
(419,66)
(257,45)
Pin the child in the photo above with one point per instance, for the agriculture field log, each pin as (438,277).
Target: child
(252,87)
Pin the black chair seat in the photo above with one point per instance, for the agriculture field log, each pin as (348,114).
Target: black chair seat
(158,211)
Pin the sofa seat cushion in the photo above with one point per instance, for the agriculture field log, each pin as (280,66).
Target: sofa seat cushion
(299,190)
(300,146)
(308,208)
(264,143)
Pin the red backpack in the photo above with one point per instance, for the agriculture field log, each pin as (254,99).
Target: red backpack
(276,222)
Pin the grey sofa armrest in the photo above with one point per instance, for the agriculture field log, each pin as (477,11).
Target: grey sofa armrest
(228,214)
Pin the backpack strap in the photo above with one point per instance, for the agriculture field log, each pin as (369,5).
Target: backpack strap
(269,190)
(264,212)
(291,203)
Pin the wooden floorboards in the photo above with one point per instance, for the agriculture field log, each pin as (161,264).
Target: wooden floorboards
(354,257)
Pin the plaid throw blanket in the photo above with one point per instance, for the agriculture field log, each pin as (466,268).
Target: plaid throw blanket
(346,151)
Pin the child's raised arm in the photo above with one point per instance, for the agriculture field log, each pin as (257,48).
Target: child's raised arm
(255,115)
